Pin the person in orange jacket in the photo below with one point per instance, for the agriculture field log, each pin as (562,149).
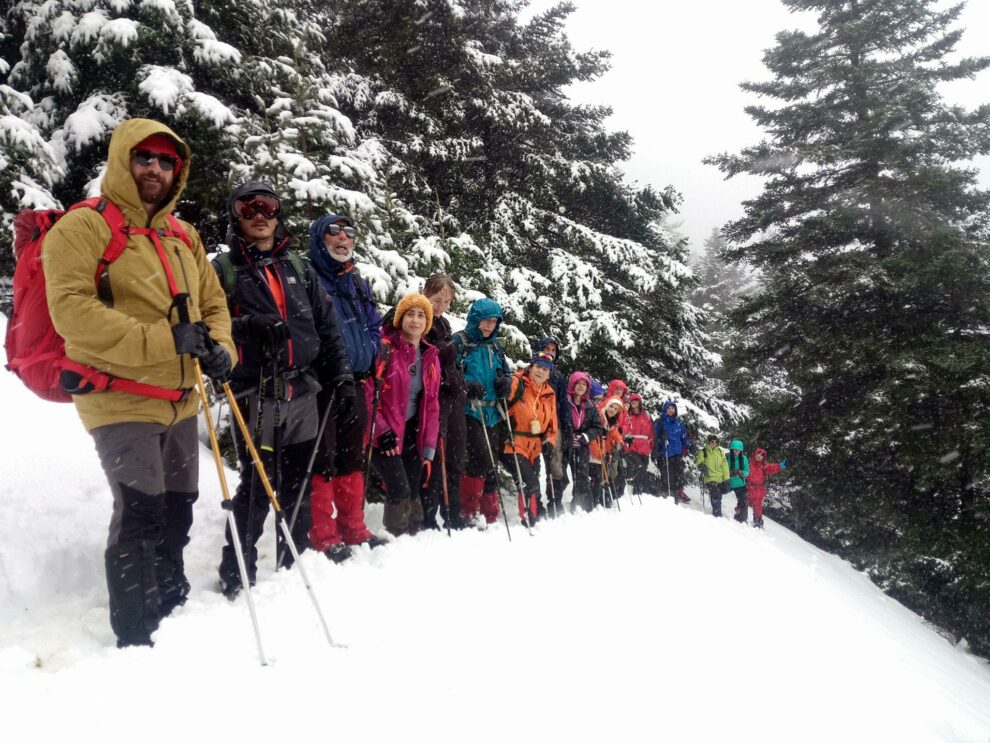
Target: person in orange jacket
(604,448)
(532,407)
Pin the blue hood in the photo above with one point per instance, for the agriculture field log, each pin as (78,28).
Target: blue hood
(321,260)
(543,344)
(481,309)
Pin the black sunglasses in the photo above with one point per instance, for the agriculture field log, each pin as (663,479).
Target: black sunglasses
(336,229)
(144,158)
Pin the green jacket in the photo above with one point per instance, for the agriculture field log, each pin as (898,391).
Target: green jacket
(714,460)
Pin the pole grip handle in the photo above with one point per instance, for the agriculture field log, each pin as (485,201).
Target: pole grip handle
(181,303)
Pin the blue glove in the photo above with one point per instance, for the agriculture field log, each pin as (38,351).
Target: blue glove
(783,463)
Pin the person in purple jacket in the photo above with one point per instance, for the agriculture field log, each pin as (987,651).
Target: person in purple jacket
(406,420)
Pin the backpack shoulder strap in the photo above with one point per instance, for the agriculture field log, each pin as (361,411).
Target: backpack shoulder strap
(299,266)
(175,226)
(118,241)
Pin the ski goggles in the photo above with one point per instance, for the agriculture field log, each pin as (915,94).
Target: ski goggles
(248,206)
(144,158)
(336,229)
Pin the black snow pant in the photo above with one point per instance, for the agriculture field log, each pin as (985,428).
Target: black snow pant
(530,472)
(715,491)
(477,462)
(742,506)
(341,447)
(453,434)
(581,493)
(637,470)
(296,430)
(557,480)
(402,477)
(153,471)
(671,475)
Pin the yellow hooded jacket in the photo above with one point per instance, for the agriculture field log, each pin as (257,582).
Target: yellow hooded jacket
(131,338)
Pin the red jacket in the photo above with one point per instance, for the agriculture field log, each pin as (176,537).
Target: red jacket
(759,470)
(640,427)
(391,413)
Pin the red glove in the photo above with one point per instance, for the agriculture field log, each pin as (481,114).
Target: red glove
(427,472)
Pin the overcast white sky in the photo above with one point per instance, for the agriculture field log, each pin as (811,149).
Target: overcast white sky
(673,85)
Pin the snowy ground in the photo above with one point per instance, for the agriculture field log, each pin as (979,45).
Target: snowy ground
(656,623)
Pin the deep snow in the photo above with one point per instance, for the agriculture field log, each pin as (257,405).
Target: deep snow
(654,623)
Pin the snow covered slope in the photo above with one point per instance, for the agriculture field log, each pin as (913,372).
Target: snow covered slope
(655,623)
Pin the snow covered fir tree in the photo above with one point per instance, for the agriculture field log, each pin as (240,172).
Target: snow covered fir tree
(861,350)
(866,357)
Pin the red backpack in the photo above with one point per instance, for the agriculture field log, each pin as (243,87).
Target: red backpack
(35,352)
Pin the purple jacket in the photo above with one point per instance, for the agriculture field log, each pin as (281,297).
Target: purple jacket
(391,413)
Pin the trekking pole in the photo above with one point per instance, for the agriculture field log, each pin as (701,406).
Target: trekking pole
(312,462)
(278,390)
(227,505)
(553,493)
(443,476)
(383,359)
(515,459)
(611,485)
(260,469)
(701,483)
(491,458)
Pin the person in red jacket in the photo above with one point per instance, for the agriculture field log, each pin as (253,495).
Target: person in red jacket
(637,433)
(407,417)
(756,490)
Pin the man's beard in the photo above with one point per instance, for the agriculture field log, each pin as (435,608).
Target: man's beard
(152,191)
(339,257)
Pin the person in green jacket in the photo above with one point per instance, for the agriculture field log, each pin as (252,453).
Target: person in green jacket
(738,472)
(715,470)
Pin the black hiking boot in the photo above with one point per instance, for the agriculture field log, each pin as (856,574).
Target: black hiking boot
(338,553)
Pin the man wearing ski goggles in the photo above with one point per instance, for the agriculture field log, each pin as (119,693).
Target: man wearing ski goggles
(247,207)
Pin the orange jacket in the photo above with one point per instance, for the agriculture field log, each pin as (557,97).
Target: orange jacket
(529,406)
(612,437)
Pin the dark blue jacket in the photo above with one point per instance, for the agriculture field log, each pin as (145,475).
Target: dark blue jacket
(559,384)
(357,316)
(671,433)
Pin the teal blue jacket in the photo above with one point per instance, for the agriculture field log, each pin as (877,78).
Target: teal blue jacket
(737,462)
(481,359)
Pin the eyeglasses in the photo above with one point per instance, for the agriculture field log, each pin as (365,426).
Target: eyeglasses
(144,158)
(248,206)
(336,229)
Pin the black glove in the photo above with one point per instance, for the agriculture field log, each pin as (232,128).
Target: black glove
(343,407)
(387,441)
(503,386)
(474,390)
(216,363)
(580,440)
(627,439)
(269,329)
(192,338)
(703,470)
(547,448)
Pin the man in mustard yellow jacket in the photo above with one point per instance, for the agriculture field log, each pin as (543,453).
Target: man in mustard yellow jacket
(125,320)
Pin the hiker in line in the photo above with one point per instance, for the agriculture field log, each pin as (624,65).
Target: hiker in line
(557,480)
(487,382)
(603,449)
(586,426)
(637,433)
(714,469)
(289,348)
(672,445)
(738,472)
(756,488)
(440,290)
(532,407)
(126,324)
(338,486)
(407,418)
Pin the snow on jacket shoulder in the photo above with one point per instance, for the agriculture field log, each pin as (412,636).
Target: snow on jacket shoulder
(132,337)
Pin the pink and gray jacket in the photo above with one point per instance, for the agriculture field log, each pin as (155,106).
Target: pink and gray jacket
(394,396)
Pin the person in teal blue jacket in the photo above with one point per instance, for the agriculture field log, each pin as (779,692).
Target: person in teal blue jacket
(738,472)
(487,380)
